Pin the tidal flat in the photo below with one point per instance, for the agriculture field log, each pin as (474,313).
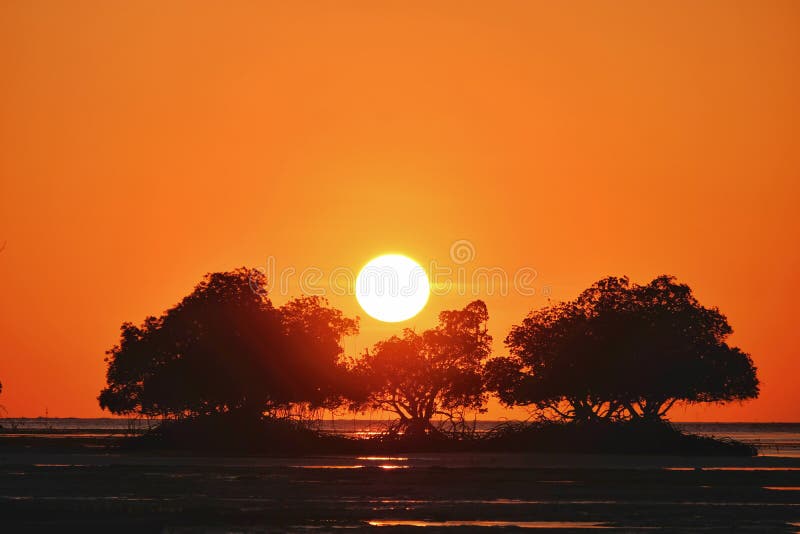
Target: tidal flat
(63,485)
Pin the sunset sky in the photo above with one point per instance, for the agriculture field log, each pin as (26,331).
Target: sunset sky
(144,144)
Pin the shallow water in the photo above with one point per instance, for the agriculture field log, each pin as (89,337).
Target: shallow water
(383,458)
(404,491)
(431,491)
(517,524)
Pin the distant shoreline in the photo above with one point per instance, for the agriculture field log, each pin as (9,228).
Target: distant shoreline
(360,419)
(776,438)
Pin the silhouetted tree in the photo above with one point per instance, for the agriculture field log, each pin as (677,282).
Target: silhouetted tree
(225,347)
(622,350)
(438,372)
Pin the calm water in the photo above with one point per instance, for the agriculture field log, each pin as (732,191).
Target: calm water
(51,491)
(772,439)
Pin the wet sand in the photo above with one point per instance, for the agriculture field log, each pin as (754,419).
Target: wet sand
(47,489)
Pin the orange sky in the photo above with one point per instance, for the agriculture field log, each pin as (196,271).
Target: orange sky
(143,144)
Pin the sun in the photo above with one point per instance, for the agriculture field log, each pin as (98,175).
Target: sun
(392,288)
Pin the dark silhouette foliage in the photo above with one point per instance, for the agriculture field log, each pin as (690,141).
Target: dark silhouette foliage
(438,372)
(622,351)
(637,436)
(238,433)
(226,348)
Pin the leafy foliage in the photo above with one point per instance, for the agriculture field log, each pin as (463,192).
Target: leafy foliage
(225,347)
(437,372)
(622,350)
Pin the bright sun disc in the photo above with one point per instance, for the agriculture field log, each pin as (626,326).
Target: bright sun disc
(392,288)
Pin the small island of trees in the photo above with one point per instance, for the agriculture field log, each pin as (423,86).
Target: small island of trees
(226,369)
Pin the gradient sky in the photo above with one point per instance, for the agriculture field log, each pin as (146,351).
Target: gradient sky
(143,144)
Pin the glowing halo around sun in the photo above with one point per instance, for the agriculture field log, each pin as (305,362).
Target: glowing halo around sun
(392,288)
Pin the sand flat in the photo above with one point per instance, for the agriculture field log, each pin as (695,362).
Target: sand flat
(48,489)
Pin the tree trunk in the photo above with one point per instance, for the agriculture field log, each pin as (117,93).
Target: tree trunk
(417,428)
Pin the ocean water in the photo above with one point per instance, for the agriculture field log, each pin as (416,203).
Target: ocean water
(772,439)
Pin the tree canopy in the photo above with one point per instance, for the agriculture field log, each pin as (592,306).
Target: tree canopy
(622,350)
(618,351)
(225,347)
(437,372)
